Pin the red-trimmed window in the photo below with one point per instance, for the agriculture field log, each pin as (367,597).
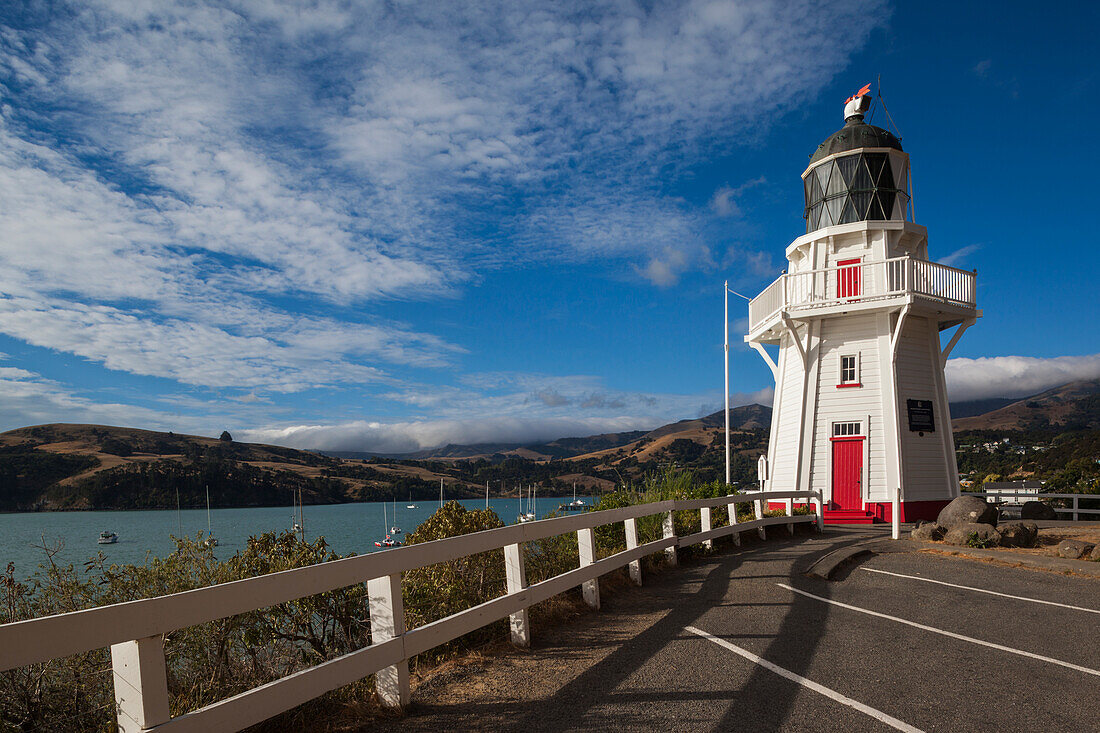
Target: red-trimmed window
(849,370)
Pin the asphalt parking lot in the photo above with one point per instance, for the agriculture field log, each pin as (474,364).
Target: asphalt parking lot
(743,640)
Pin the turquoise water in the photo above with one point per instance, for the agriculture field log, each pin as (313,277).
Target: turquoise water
(346,527)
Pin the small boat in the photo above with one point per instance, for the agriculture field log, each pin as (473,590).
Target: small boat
(107,538)
(211,540)
(577,505)
(298,517)
(529,515)
(410,505)
(395,529)
(388,541)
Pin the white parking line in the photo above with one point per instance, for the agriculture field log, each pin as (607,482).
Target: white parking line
(983,590)
(842,699)
(953,635)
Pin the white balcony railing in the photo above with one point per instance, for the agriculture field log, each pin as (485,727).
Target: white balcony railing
(862,282)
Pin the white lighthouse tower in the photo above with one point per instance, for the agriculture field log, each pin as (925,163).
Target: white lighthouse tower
(860,408)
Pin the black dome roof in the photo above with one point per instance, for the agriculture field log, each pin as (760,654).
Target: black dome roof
(855,134)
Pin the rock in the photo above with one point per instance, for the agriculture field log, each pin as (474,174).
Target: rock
(1019,534)
(1074,549)
(1037,510)
(967,510)
(1095,554)
(973,534)
(927,532)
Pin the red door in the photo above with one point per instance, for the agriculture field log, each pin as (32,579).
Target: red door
(847,474)
(848,283)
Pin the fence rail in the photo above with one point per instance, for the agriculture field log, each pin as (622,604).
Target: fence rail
(135,630)
(1032,495)
(861,282)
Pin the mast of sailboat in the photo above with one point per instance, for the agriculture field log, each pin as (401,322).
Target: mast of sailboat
(179,517)
(440,492)
(486,494)
(209,531)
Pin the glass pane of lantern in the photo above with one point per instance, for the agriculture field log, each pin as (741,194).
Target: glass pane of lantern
(886,177)
(815,217)
(836,183)
(862,180)
(821,173)
(874,164)
(847,166)
(860,201)
(848,214)
(834,206)
(815,194)
(886,200)
(874,210)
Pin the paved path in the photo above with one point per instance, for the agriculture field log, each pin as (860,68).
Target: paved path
(742,640)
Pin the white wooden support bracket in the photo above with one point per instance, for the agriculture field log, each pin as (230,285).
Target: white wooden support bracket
(586,548)
(141,683)
(794,337)
(387,621)
(635,567)
(668,529)
(704,524)
(897,333)
(732,509)
(767,358)
(955,339)
(515,576)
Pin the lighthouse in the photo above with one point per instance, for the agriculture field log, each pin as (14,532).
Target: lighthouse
(857,332)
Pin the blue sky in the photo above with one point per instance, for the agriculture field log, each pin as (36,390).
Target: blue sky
(389,226)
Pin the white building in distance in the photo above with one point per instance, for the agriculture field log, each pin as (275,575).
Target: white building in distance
(860,405)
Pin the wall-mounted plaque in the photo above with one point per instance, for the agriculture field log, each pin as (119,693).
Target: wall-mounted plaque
(921,419)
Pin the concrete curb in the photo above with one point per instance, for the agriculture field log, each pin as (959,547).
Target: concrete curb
(826,566)
(1054,564)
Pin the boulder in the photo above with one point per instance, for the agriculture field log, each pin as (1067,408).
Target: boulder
(1074,549)
(967,510)
(927,532)
(973,534)
(1019,534)
(1095,554)
(1037,510)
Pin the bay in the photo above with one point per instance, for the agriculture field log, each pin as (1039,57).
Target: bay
(346,527)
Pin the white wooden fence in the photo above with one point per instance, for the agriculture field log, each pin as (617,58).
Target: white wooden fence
(135,631)
(1018,495)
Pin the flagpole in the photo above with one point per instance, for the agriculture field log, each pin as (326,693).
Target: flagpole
(726,299)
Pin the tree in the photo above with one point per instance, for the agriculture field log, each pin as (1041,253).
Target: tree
(225,436)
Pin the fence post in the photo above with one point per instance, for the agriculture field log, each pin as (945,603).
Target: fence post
(387,621)
(1075,508)
(820,501)
(141,683)
(704,525)
(790,514)
(515,576)
(732,509)
(895,515)
(668,529)
(635,567)
(586,548)
(758,509)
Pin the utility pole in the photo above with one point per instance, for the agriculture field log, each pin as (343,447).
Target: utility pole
(726,299)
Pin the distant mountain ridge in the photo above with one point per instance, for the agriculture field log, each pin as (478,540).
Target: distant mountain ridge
(1071,406)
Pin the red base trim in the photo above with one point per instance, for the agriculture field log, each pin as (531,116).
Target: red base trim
(878,511)
(846,386)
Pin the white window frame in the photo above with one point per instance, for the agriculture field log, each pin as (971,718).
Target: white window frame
(842,382)
(843,428)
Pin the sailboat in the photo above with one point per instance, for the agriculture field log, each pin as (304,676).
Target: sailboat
(298,517)
(388,541)
(410,505)
(395,529)
(211,540)
(529,515)
(577,505)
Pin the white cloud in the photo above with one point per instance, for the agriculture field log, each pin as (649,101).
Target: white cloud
(959,255)
(1015,376)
